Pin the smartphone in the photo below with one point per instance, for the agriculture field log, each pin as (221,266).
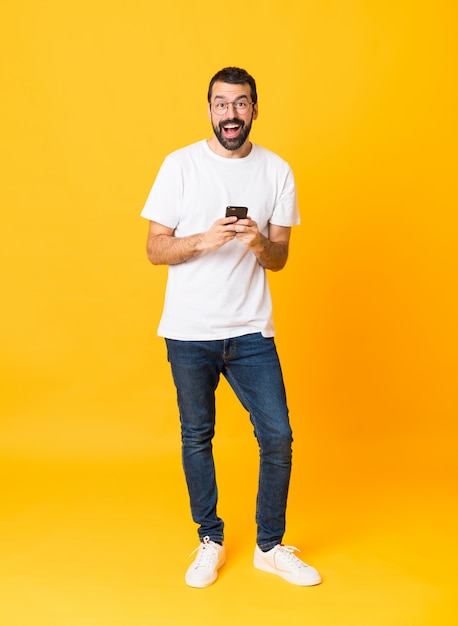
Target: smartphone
(240,212)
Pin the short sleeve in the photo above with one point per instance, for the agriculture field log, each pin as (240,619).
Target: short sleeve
(164,200)
(286,212)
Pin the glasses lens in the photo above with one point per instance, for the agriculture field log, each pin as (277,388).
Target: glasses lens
(220,107)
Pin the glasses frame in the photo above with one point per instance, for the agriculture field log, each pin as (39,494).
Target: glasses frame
(233,103)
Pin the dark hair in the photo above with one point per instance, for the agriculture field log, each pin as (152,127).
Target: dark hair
(234,76)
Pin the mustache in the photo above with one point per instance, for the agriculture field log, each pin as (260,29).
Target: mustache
(234,120)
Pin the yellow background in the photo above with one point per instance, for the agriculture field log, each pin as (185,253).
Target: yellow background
(360,97)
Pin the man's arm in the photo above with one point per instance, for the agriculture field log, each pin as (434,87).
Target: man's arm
(163,248)
(271,251)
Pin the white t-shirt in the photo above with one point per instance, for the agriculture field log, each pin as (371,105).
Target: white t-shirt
(222,293)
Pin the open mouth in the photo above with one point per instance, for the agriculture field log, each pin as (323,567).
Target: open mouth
(231,129)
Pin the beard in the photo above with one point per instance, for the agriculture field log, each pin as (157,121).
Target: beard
(233,143)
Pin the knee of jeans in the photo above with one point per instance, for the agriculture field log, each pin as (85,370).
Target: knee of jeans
(197,437)
(278,443)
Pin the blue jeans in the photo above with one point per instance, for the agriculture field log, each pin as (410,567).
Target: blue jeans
(250,364)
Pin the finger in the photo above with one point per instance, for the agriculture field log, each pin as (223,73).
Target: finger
(228,220)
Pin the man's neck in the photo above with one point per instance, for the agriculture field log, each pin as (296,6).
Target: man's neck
(220,150)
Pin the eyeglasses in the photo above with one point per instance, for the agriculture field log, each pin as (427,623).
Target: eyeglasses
(240,106)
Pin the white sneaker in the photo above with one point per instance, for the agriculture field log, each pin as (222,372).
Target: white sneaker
(204,569)
(281,561)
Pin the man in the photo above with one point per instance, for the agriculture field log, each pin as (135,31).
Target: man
(217,316)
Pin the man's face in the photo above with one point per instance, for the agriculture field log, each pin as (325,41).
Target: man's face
(231,127)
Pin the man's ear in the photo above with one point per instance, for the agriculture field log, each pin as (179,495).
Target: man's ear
(255,111)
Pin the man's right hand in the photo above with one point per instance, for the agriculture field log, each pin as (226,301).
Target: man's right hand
(218,235)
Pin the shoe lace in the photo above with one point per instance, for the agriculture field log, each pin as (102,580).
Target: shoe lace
(287,554)
(206,553)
